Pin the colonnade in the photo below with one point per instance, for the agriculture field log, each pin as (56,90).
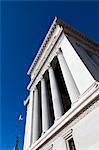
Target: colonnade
(56,98)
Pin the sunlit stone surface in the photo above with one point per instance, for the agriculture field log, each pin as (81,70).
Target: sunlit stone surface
(63,104)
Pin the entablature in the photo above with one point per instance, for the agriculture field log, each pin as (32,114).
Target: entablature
(67,30)
(46,58)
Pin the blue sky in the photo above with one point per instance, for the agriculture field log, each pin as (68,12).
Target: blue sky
(23,28)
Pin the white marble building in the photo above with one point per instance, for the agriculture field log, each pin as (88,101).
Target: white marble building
(63,104)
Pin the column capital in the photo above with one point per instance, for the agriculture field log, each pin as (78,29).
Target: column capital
(59,51)
(49,65)
(41,77)
(35,87)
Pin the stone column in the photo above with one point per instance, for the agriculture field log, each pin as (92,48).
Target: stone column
(36,116)
(46,119)
(29,121)
(26,137)
(56,98)
(69,81)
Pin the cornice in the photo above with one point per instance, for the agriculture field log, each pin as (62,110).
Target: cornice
(50,54)
(75,32)
(44,64)
(45,42)
(69,31)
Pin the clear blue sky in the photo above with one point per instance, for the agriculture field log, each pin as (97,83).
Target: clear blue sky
(24,25)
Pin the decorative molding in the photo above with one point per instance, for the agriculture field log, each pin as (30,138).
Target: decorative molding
(94,85)
(59,51)
(69,118)
(68,29)
(67,134)
(45,61)
(40,64)
(46,40)
(69,126)
(49,147)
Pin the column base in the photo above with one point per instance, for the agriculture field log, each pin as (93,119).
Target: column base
(72,104)
(57,119)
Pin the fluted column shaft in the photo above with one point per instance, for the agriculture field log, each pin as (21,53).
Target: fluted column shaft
(36,116)
(46,119)
(56,98)
(69,81)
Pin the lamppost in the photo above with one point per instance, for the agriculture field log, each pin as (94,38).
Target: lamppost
(20,118)
(17,141)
